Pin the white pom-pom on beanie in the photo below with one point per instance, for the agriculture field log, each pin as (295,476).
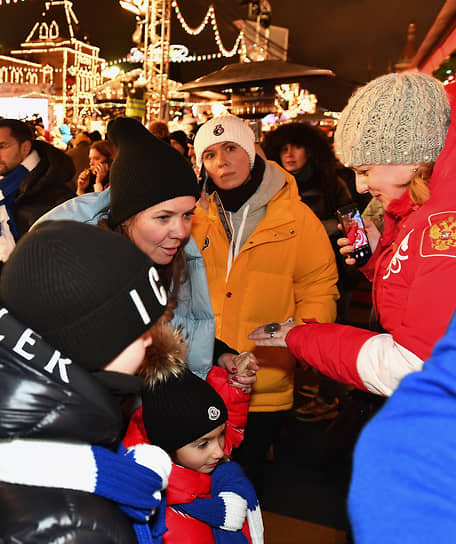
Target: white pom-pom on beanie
(225,128)
(399,118)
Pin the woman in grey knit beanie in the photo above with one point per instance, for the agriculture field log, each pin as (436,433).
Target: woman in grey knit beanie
(392,133)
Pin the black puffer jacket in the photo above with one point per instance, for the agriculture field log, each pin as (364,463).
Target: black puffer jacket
(44,399)
(44,187)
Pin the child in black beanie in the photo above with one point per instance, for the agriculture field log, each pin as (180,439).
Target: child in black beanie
(77,304)
(208,498)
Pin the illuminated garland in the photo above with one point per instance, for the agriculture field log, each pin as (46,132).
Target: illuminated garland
(9,2)
(195,31)
(15,68)
(192,58)
(447,69)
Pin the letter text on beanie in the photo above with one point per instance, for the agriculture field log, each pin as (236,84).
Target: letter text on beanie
(140,306)
(159,292)
(158,288)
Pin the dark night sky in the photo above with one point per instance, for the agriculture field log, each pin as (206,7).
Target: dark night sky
(358,39)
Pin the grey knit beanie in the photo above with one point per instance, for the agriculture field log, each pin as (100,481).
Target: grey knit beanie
(399,118)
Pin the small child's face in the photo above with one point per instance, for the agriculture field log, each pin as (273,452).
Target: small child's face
(205,453)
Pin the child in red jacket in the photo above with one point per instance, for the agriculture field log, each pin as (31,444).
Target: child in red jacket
(208,498)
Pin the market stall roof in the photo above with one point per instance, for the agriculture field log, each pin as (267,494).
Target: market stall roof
(332,92)
(251,72)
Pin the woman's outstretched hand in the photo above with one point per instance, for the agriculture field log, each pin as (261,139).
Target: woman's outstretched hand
(272,334)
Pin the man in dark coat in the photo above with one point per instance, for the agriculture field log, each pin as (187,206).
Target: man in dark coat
(33,177)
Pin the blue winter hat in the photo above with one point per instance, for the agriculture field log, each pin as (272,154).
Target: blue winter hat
(65,131)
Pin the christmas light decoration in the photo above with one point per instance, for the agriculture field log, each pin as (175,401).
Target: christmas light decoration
(77,65)
(195,31)
(9,2)
(293,100)
(446,72)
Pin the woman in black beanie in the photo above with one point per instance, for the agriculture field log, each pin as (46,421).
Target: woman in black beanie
(152,196)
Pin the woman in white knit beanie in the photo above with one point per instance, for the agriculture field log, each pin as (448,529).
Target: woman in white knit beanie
(392,133)
(267,257)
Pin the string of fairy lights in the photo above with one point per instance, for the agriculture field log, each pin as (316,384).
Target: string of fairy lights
(239,46)
(195,31)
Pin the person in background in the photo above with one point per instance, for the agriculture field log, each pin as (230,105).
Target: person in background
(374,212)
(79,154)
(95,136)
(33,178)
(151,200)
(266,255)
(73,336)
(160,130)
(391,133)
(178,139)
(63,138)
(198,423)
(96,177)
(305,152)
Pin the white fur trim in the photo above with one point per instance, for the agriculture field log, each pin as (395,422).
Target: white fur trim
(48,464)
(382,363)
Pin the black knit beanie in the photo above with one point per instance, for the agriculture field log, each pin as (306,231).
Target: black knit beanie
(145,172)
(181,409)
(88,292)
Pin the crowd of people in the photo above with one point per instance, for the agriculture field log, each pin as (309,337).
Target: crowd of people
(158,290)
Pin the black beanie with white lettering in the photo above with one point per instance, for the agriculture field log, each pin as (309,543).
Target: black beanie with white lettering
(87,291)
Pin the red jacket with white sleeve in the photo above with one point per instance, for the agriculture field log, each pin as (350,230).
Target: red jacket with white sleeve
(414,291)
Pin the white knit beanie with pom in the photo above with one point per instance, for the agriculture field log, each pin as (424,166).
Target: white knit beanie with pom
(399,118)
(226,128)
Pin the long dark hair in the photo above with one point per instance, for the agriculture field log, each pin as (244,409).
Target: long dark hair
(318,148)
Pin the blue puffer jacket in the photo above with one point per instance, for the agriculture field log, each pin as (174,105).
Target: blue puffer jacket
(193,315)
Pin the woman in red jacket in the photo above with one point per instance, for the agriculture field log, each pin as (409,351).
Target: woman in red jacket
(391,133)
